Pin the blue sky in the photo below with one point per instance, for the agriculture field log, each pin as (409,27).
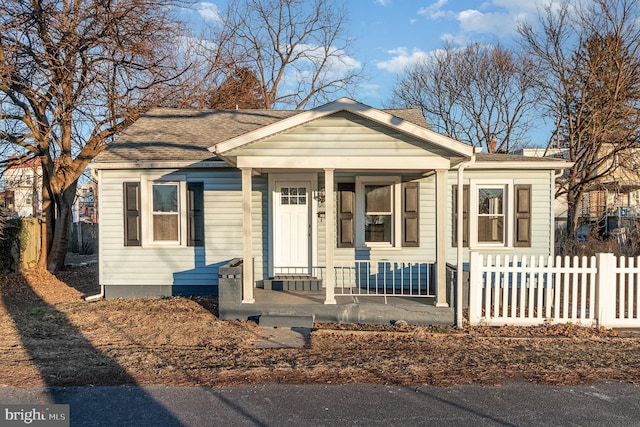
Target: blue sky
(391,34)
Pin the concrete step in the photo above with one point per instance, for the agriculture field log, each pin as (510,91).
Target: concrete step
(292,284)
(286,321)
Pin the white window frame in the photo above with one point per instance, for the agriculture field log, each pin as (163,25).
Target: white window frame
(146,202)
(396,215)
(507,186)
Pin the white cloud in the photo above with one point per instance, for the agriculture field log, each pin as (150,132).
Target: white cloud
(493,22)
(209,11)
(383,2)
(434,11)
(494,17)
(369,90)
(402,59)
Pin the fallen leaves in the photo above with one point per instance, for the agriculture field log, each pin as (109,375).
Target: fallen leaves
(49,336)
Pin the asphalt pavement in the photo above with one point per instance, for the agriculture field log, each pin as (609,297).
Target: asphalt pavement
(513,404)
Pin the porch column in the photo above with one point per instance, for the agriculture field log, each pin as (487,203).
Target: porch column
(247,232)
(441,235)
(330,218)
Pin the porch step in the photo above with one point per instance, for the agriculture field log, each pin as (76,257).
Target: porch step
(292,283)
(286,321)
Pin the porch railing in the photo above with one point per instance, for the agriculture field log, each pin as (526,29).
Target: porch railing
(382,278)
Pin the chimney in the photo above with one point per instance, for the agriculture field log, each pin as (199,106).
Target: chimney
(492,146)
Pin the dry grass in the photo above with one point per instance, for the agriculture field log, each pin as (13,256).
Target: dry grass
(49,336)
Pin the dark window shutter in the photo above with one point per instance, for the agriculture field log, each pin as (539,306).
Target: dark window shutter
(522,216)
(195,214)
(465,216)
(132,220)
(411,214)
(346,212)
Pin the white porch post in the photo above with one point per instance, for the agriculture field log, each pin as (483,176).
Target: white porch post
(441,247)
(330,217)
(247,246)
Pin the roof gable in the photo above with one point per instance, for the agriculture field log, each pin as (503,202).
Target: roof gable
(341,134)
(386,119)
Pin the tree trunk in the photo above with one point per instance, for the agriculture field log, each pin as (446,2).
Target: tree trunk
(573,213)
(61,229)
(46,222)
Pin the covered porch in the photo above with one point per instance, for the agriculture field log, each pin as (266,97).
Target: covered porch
(344,208)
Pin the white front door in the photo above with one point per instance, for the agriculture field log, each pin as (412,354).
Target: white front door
(292,228)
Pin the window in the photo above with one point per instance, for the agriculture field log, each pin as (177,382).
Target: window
(167,213)
(377,212)
(378,215)
(491,212)
(293,196)
(499,215)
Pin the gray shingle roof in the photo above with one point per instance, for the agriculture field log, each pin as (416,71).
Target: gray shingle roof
(179,134)
(500,157)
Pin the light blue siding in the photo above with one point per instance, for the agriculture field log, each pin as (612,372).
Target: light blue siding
(542,195)
(178,265)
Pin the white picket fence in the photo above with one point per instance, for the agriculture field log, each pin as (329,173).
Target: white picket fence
(601,290)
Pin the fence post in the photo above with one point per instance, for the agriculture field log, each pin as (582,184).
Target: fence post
(605,288)
(475,288)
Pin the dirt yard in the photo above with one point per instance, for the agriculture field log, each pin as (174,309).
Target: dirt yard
(49,336)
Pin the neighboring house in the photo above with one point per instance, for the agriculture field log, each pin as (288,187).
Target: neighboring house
(610,202)
(6,202)
(84,206)
(334,199)
(24,183)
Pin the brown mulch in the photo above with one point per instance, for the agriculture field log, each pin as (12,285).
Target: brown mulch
(49,336)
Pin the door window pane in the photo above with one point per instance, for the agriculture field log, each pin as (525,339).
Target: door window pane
(293,196)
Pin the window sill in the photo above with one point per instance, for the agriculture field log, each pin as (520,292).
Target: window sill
(163,245)
(491,247)
(378,248)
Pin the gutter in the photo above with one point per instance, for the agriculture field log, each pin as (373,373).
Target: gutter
(459,237)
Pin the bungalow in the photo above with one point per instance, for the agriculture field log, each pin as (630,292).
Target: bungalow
(345,211)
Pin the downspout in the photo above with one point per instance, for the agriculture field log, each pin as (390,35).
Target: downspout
(460,235)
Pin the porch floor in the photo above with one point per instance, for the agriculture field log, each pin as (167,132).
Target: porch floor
(348,309)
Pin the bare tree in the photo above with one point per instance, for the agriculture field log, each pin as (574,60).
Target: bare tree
(203,70)
(240,90)
(481,95)
(73,74)
(296,48)
(590,57)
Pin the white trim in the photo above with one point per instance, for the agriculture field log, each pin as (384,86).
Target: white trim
(191,164)
(508,207)
(330,235)
(441,237)
(521,164)
(345,163)
(247,237)
(344,104)
(396,187)
(146,209)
